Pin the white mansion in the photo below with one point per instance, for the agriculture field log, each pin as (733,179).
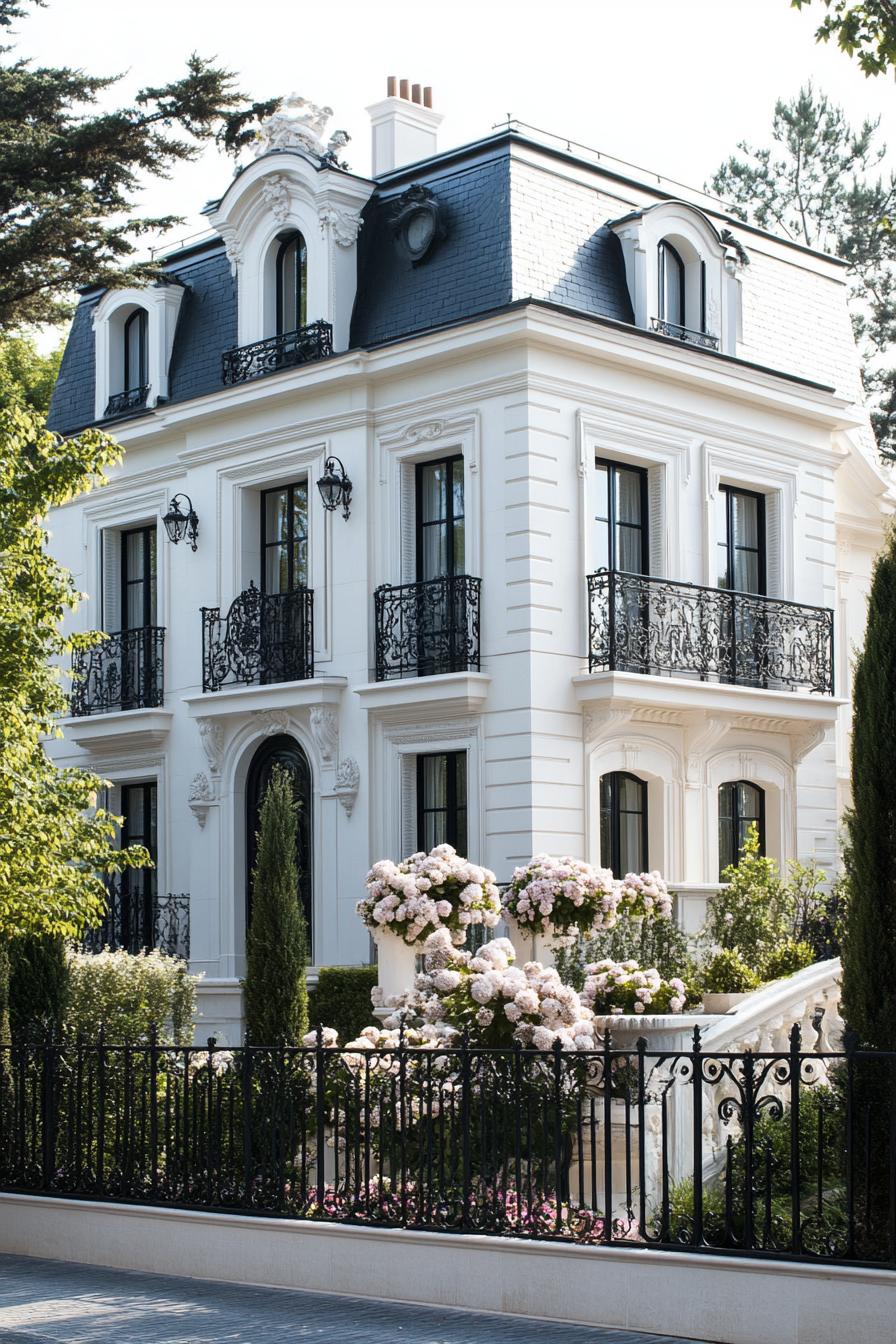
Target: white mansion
(518,503)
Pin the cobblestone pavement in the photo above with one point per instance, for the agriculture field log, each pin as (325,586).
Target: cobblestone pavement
(45,1300)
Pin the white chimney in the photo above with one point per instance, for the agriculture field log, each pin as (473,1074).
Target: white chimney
(403,126)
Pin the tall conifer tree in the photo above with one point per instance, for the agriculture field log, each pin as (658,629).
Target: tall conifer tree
(274,990)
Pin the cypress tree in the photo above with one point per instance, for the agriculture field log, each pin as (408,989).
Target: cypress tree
(275,996)
(869,952)
(38,986)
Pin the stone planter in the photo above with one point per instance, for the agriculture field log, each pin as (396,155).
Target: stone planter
(396,963)
(529,946)
(722,1003)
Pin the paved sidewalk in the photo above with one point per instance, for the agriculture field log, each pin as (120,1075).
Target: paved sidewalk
(46,1300)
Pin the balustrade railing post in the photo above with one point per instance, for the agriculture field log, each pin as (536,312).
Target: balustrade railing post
(48,1112)
(153,1110)
(697,1089)
(320,1119)
(101,1108)
(795,1158)
(608,1138)
(850,1044)
(641,1047)
(248,1117)
(611,619)
(748,1124)
(465,1128)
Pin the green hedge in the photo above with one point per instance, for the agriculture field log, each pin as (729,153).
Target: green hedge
(341,999)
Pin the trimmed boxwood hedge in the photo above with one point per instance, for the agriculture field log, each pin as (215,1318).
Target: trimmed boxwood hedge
(341,999)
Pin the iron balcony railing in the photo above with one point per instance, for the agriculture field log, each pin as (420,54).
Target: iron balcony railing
(686,334)
(264,638)
(125,671)
(129,400)
(787,1153)
(301,346)
(137,920)
(426,628)
(637,623)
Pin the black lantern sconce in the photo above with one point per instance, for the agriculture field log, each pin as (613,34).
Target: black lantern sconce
(335,487)
(181,521)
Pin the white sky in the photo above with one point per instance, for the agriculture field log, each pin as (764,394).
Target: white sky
(671,85)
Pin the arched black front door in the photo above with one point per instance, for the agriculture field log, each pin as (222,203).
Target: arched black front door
(281,750)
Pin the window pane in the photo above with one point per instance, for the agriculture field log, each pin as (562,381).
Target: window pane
(276,569)
(435,781)
(746,571)
(433,500)
(276,515)
(630,794)
(602,478)
(629,550)
(745,519)
(434,552)
(300,564)
(631,858)
(748,801)
(628,496)
(300,509)
(457,484)
(134,544)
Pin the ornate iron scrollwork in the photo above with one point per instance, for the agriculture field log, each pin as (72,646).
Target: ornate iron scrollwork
(637,623)
(690,337)
(137,921)
(130,400)
(125,671)
(426,628)
(264,638)
(301,346)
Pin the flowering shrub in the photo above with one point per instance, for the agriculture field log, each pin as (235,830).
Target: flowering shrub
(426,892)
(645,895)
(128,994)
(616,987)
(560,895)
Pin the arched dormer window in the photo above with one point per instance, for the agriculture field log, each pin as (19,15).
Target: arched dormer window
(134,338)
(292,284)
(670,273)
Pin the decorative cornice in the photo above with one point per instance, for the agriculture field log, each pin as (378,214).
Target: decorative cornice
(344,225)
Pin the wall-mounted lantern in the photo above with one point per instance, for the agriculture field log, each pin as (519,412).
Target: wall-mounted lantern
(335,487)
(181,521)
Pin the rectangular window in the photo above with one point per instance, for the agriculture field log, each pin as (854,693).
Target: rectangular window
(740,531)
(138,578)
(621,517)
(139,809)
(440,518)
(442,800)
(284,538)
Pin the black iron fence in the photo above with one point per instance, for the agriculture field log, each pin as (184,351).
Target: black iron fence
(786,1155)
(138,920)
(129,400)
(426,628)
(264,638)
(637,623)
(125,671)
(301,346)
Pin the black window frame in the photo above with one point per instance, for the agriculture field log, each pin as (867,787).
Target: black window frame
(149,579)
(729,492)
(736,820)
(612,521)
(664,247)
(141,317)
(450,520)
(613,859)
(292,586)
(453,807)
(139,886)
(301,295)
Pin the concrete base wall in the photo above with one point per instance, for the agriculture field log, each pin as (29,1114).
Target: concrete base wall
(728,1301)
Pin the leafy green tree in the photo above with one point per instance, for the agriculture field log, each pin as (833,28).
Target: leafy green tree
(818,185)
(866,31)
(274,990)
(38,986)
(68,173)
(869,953)
(27,376)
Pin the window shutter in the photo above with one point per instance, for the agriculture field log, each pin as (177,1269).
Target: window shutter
(408,506)
(656,522)
(111,580)
(773,566)
(408,804)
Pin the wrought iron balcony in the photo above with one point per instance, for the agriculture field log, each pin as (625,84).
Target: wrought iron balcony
(130,400)
(301,346)
(638,623)
(686,334)
(426,628)
(264,638)
(136,920)
(125,671)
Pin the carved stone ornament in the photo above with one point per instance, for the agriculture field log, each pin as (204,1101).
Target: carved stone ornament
(211,734)
(325,731)
(344,224)
(201,797)
(418,223)
(272,721)
(275,194)
(348,779)
(301,124)
(234,254)
(425,431)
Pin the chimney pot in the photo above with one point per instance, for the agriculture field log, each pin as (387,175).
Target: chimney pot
(427,96)
(403,90)
(391,86)
(416,96)
(403,128)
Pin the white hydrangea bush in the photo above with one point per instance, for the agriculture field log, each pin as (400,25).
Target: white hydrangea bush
(562,897)
(617,987)
(430,892)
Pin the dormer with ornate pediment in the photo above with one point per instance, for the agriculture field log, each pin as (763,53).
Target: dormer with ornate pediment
(290,223)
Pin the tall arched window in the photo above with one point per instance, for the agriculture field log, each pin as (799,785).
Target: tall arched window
(292,284)
(741,805)
(135,375)
(671,285)
(623,823)
(281,750)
